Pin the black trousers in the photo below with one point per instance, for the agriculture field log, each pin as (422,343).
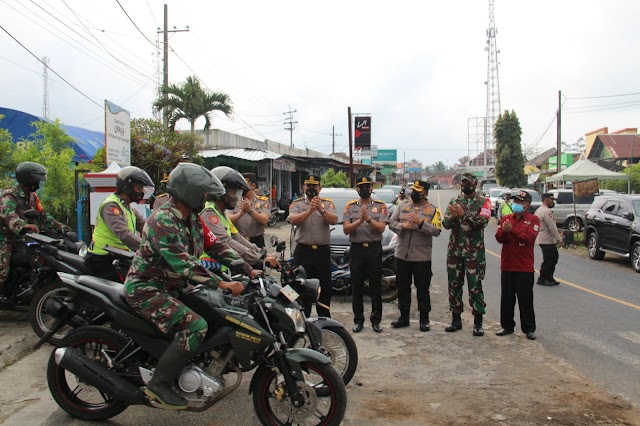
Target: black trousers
(420,274)
(317,264)
(366,262)
(517,285)
(102,266)
(550,258)
(259,240)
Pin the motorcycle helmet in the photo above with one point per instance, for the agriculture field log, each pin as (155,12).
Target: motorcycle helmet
(231,179)
(29,173)
(190,183)
(130,176)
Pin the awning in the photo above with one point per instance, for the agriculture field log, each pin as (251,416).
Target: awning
(242,153)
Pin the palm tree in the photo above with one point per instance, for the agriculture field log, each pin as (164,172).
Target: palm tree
(191,101)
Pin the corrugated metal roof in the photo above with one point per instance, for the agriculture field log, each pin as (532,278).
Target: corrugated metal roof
(242,153)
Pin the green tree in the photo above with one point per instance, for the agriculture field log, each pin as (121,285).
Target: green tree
(621,185)
(6,150)
(191,101)
(439,167)
(331,179)
(509,158)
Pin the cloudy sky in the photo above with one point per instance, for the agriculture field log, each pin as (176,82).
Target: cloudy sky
(418,67)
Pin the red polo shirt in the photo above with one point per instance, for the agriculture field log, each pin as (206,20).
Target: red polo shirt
(518,244)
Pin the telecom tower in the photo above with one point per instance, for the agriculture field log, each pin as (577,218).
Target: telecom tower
(45,89)
(493,86)
(157,82)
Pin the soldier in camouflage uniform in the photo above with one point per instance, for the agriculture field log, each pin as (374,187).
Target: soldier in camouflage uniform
(252,213)
(14,202)
(467,215)
(166,264)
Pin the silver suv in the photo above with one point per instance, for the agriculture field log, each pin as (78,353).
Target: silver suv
(564,213)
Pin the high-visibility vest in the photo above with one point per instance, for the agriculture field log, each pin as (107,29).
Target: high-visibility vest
(103,235)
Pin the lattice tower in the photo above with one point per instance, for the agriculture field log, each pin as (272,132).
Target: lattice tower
(45,89)
(493,81)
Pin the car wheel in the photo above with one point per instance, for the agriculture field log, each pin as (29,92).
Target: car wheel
(573,224)
(593,246)
(635,256)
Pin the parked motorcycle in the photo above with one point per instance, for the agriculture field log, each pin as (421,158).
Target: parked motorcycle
(276,215)
(97,372)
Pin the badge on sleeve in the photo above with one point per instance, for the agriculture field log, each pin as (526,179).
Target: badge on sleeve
(116,211)
(213,219)
(536,227)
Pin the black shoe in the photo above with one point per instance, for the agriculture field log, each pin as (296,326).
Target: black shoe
(167,370)
(478,330)
(425,326)
(400,323)
(504,332)
(542,281)
(376,328)
(357,328)
(531,335)
(456,324)
(554,282)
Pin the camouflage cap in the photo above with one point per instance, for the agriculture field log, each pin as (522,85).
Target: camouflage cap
(470,177)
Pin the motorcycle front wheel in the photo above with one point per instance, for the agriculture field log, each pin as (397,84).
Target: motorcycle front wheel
(274,406)
(273,219)
(388,290)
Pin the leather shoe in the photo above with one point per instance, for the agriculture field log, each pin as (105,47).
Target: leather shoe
(400,323)
(554,282)
(531,335)
(376,328)
(542,281)
(424,326)
(357,328)
(503,332)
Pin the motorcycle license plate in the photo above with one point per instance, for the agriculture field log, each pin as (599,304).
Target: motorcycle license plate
(290,293)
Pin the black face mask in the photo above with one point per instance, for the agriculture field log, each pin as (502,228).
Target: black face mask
(551,204)
(416,197)
(137,196)
(311,192)
(365,193)
(34,187)
(468,189)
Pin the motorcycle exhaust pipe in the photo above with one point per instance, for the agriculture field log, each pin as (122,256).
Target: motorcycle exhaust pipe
(97,375)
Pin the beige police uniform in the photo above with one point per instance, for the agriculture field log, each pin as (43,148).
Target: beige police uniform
(247,225)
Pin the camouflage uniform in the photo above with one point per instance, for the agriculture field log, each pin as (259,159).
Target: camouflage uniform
(163,267)
(13,205)
(465,253)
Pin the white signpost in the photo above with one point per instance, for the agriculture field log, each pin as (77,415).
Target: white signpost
(365,154)
(117,134)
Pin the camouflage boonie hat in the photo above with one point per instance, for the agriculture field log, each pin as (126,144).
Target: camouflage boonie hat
(470,177)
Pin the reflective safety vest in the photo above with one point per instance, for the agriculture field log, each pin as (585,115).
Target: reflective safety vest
(103,235)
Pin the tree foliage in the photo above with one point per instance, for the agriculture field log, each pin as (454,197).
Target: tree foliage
(621,185)
(331,179)
(191,101)
(509,158)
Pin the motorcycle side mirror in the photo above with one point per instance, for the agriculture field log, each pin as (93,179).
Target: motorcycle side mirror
(32,214)
(281,247)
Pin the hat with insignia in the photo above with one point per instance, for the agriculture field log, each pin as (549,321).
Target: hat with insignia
(470,177)
(250,177)
(311,180)
(522,196)
(420,185)
(548,195)
(364,180)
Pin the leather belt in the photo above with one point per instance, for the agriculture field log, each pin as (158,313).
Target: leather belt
(313,246)
(371,244)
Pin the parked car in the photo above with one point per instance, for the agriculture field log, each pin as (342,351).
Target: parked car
(388,196)
(493,195)
(339,241)
(613,226)
(394,188)
(564,212)
(536,201)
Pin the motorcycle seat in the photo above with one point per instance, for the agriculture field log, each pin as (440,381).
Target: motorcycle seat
(73,260)
(113,290)
(386,250)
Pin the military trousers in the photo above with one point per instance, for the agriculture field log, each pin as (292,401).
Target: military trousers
(5,261)
(550,258)
(316,261)
(420,274)
(457,269)
(366,262)
(517,285)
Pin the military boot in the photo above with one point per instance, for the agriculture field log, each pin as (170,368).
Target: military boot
(456,323)
(169,366)
(477,326)
(401,322)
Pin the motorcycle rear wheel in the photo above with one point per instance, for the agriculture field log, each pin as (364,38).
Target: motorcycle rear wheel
(273,406)
(389,290)
(41,321)
(77,398)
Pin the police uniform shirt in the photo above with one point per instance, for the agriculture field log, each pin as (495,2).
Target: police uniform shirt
(314,230)
(246,224)
(116,220)
(414,245)
(365,233)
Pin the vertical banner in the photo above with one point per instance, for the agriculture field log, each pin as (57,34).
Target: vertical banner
(362,133)
(117,134)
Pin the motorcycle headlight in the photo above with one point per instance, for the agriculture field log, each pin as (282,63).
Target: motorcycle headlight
(298,319)
(82,251)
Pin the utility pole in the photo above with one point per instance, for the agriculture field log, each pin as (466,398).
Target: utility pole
(45,89)
(350,147)
(290,122)
(333,139)
(165,80)
(559,132)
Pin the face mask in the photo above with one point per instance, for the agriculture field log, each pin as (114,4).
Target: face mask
(311,192)
(365,193)
(552,205)
(34,187)
(416,197)
(468,189)
(517,208)
(137,196)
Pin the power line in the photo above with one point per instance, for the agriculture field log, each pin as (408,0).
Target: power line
(606,96)
(51,69)
(134,24)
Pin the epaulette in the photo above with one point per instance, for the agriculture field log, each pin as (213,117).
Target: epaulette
(260,197)
(326,199)
(352,202)
(379,201)
(297,199)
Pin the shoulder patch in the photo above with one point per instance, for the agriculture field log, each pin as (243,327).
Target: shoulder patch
(214,219)
(116,211)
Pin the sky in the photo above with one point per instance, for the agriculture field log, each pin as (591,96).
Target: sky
(418,67)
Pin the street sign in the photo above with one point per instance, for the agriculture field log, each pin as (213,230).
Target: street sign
(366,153)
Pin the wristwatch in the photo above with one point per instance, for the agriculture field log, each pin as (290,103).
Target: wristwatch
(323,211)
(369,221)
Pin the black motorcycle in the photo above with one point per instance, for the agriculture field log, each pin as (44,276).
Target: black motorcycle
(97,372)
(276,215)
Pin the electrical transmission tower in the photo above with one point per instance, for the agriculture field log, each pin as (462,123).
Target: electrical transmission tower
(493,84)
(290,122)
(45,89)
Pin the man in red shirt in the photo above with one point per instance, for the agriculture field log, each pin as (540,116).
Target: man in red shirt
(517,233)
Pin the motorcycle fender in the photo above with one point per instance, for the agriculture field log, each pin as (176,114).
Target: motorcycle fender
(295,357)
(317,324)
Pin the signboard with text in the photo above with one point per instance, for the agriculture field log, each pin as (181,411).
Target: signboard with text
(117,134)
(584,187)
(362,132)
(386,156)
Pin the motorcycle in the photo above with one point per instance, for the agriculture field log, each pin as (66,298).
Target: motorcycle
(97,372)
(276,215)
(341,274)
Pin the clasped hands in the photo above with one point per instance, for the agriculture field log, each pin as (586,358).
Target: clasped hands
(413,220)
(455,211)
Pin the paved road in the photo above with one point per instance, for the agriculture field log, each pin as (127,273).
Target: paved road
(592,319)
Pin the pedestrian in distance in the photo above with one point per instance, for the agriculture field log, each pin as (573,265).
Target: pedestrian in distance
(365,220)
(548,239)
(416,222)
(312,216)
(252,213)
(517,233)
(402,196)
(467,215)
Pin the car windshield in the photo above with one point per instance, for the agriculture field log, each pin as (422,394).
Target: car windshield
(386,196)
(636,206)
(496,191)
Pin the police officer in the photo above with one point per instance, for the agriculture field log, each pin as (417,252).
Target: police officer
(166,265)
(364,222)
(252,213)
(117,221)
(312,215)
(401,196)
(14,202)
(416,222)
(467,215)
